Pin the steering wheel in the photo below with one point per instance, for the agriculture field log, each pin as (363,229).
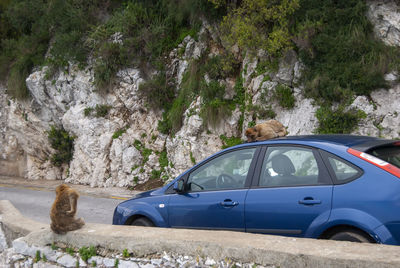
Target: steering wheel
(225,180)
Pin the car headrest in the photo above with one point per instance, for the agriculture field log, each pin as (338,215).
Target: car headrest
(282,165)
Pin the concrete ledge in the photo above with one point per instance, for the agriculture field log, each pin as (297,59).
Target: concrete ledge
(14,224)
(243,247)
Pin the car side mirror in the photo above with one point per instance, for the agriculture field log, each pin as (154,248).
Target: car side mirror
(179,186)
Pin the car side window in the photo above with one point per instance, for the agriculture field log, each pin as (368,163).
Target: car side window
(289,166)
(228,171)
(342,170)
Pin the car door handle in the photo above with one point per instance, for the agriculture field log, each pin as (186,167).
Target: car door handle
(229,203)
(309,201)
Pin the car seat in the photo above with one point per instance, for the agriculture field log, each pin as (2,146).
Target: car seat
(283,166)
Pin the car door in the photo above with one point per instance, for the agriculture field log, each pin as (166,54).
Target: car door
(292,195)
(215,193)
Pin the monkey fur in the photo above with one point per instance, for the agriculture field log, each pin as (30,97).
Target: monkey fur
(63,210)
(265,131)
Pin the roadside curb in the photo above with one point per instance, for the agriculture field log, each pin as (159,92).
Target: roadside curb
(14,224)
(262,249)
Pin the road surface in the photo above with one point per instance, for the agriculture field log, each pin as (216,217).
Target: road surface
(35,203)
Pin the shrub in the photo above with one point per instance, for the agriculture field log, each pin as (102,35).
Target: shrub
(29,25)
(339,50)
(229,142)
(62,143)
(337,121)
(149,29)
(284,95)
(259,24)
(77,28)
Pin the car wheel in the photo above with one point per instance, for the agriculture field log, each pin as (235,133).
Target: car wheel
(352,236)
(142,222)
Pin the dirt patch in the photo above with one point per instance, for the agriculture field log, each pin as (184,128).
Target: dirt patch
(149,185)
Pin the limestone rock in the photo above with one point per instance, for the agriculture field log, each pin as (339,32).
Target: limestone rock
(385,16)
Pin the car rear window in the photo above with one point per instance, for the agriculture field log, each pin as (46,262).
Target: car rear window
(390,154)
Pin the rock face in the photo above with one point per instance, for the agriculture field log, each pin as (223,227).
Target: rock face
(385,16)
(123,147)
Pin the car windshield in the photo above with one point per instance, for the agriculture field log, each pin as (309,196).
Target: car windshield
(390,154)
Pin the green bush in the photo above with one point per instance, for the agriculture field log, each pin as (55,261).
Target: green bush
(337,121)
(338,47)
(284,95)
(77,28)
(29,25)
(259,24)
(62,143)
(229,142)
(149,29)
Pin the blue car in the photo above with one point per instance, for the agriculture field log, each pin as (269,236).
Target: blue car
(340,187)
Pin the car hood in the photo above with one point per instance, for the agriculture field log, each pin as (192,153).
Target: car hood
(153,192)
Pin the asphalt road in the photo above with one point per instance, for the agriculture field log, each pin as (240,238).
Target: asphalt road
(35,203)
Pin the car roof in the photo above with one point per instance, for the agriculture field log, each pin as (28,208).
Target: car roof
(361,143)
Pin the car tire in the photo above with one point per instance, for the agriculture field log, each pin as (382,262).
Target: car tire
(352,236)
(142,222)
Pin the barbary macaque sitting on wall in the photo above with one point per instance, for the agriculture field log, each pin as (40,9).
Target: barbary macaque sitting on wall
(63,210)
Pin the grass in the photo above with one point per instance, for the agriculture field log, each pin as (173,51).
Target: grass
(119,132)
(87,252)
